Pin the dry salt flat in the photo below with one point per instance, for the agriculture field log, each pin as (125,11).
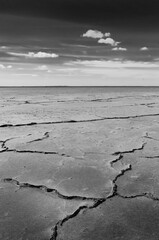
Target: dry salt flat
(79,163)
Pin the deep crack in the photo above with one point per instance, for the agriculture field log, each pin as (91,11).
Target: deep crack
(73,215)
(79,121)
(145,194)
(37,152)
(122,172)
(130,151)
(45,189)
(46,135)
(3,144)
(116,160)
(96,201)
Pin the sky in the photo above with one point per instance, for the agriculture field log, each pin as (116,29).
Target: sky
(79,43)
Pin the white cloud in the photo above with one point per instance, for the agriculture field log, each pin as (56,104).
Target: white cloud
(144,49)
(2,66)
(108,34)
(119,49)
(5,67)
(9,66)
(109,41)
(102,37)
(43,55)
(93,34)
(35,55)
(96,34)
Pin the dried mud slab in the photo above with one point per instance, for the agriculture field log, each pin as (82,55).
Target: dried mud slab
(117,218)
(29,213)
(79,166)
(26,107)
(79,140)
(142,179)
(67,175)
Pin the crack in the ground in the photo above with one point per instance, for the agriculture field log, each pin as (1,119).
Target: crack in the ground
(68,101)
(2,147)
(112,162)
(151,157)
(81,208)
(96,201)
(79,121)
(45,136)
(3,144)
(149,137)
(127,167)
(46,189)
(73,215)
(148,104)
(122,172)
(145,194)
(37,152)
(128,151)
(120,154)
(95,100)
(100,201)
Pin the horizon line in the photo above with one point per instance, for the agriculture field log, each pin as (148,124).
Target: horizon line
(60,86)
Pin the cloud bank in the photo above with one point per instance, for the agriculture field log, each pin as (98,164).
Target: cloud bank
(109,41)
(35,55)
(119,49)
(103,38)
(5,67)
(93,34)
(144,49)
(96,34)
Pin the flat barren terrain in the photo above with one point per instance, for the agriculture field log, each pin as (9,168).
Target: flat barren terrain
(79,164)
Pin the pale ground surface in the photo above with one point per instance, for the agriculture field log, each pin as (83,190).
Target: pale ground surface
(79,164)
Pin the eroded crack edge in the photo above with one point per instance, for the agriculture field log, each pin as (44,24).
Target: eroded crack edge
(97,201)
(128,151)
(46,189)
(111,195)
(45,136)
(79,121)
(120,155)
(6,149)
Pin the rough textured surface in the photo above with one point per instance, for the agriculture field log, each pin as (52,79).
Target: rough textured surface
(115,219)
(79,164)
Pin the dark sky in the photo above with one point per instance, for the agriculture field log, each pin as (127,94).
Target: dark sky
(134,12)
(46,38)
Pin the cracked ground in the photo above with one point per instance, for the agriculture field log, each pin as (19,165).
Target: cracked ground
(79,165)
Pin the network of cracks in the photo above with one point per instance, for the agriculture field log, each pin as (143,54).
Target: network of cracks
(67,189)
